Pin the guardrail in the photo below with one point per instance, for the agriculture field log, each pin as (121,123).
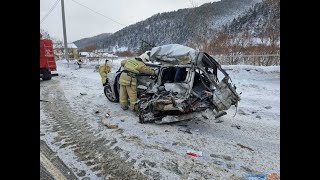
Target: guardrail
(257,60)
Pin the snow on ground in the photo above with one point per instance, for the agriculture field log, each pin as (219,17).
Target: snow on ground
(221,142)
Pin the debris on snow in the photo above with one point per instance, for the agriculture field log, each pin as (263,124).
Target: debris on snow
(237,126)
(268,107)
(194,153)
(240,111)
(107,123)
(242,146)
(185,130)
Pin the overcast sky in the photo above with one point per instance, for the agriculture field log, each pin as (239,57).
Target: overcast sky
(82,22)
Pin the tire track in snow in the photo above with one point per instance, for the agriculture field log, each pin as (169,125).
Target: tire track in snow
(77,135)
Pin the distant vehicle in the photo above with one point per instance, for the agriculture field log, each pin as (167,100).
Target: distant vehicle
(47,60)
(186,86)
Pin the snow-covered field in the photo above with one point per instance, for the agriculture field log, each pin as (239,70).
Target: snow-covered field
(232,146)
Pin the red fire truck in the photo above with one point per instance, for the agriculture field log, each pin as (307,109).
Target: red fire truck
(47,60)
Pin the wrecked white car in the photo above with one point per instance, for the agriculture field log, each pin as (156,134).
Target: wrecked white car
(190,84)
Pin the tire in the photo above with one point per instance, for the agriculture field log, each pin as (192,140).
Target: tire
(117,87)
(46,75)
(108,93)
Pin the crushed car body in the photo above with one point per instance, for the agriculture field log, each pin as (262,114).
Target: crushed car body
(190,84)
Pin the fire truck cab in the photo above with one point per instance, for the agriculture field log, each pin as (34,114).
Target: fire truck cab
(47,60)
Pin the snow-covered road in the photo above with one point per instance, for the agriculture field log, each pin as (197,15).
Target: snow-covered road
(232,146)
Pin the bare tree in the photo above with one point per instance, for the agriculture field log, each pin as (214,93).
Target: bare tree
(45,34)
(193,3)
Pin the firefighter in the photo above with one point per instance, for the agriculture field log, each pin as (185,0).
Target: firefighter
(104,69)
(128,81)
(79,62)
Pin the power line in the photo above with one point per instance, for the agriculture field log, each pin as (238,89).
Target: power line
(51,9)
(98,13)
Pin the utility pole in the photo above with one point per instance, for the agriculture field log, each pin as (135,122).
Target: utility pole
(64,33)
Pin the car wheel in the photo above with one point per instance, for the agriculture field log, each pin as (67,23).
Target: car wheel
(46,75)
(108,93)
(117,93)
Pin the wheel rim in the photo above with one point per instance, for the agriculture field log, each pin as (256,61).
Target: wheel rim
(109,94)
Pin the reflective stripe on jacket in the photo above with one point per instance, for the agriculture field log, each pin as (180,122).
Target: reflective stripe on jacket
(134,66)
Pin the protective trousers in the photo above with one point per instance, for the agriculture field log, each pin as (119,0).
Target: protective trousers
(103,76)
(125,91)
